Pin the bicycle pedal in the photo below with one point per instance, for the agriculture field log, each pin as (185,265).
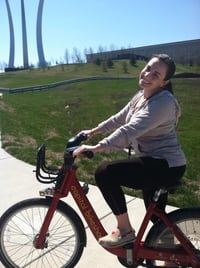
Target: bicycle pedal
(47,192)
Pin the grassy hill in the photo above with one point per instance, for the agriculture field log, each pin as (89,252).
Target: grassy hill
(52,116)
(57,73)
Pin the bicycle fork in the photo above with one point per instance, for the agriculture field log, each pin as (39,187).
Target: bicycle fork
(40,241)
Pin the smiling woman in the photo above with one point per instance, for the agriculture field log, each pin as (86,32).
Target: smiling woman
(157,74)
(152,77)
(148,124)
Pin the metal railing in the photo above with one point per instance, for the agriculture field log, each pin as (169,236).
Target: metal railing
(60,83)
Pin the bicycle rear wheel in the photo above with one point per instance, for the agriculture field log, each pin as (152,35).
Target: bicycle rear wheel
(160,236)
(20,225)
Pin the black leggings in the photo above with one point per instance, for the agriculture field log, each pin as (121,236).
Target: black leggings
(145,173)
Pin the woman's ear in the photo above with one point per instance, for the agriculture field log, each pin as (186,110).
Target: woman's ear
(166,82)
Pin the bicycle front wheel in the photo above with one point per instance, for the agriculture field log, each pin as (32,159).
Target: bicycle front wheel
(160,236)
(20,225)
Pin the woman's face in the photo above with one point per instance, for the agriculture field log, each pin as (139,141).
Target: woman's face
(152,77)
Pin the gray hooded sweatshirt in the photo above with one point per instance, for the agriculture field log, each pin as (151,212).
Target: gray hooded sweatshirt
(150,128)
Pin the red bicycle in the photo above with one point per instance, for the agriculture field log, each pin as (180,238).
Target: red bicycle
(46,232)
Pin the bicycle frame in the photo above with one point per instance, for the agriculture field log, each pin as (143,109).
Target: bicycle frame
(67,182)
(135,251)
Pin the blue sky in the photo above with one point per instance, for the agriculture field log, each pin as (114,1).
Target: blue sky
(81,24)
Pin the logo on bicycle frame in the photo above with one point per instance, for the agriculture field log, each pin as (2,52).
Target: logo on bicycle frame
(86,211)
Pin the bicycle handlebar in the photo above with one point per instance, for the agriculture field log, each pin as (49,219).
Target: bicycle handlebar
(52,173)
(76,140)
(74,143)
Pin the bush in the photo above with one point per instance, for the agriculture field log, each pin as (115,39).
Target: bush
(133,60)
(109,63)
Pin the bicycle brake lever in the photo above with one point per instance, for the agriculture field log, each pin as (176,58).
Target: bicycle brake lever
(76,140)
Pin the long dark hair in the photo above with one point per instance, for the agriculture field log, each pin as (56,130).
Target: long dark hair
(171,68)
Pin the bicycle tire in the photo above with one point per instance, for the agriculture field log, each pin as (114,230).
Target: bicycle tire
(19,226)
(188,220)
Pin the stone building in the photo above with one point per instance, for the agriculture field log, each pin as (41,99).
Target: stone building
(185,52)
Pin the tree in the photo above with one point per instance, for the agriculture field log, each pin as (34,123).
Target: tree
(97,61)
(103,66)
(76,55)
(90,50)
(109,63)
(101,49)
(133,60)
(66,56)
(125,67)
(85,54)
(4,65)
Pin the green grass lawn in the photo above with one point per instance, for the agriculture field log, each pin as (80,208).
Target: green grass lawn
(52,116)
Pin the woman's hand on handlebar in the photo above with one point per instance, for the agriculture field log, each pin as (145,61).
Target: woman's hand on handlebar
(84,148)
(89,133)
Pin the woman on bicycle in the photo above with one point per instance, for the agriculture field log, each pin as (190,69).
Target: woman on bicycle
(148,123)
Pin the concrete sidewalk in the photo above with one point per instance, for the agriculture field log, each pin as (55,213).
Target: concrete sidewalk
(18,182)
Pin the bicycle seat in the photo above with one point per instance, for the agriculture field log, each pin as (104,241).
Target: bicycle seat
(170,189)
(158,195)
